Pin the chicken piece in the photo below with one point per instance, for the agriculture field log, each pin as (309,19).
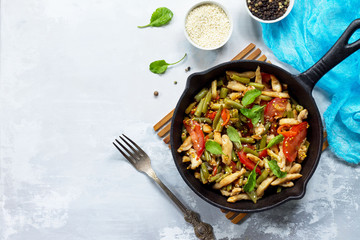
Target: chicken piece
(236,86)
(217,137)
(258,77)
(264,185)
(296,168)
(275,84)
(301,155)
(229,179)
(302,115)
(235,95)
(236,191)
(186,145)
(227,147)
(289,177)
(276,94)
(195,160)
(289,121)
(242,196)
(207,128)
(259,130)
(255,159)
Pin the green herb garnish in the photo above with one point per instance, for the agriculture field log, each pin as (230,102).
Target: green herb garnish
(160,17)
(276,140)
(250,96)
(251,181)
(233,134)
(276,169)
(254,113)
(160,66)
(213,147)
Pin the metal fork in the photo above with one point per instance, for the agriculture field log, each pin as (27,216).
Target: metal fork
(141,161)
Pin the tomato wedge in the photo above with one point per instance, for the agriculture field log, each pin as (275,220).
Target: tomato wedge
(211,115)
(291,144)
(248,163)
(225,115)
(196,134)
(274,108)
(263,154)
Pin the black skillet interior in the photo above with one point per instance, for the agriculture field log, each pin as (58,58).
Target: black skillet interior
(299,86)
(298,90)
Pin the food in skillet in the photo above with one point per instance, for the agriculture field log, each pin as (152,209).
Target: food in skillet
(245,134)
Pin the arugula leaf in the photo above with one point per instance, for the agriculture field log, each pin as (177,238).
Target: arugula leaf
(160,17)
(254,113)
(251,181)
(276,169)
(233,134)
(213,147)
(250,96)
(160,66)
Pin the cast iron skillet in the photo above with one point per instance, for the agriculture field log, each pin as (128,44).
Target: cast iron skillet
(300,87)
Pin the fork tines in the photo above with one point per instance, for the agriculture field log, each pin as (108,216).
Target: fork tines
(132,155)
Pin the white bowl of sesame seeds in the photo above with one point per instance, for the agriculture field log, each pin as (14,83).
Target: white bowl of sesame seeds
(208,25)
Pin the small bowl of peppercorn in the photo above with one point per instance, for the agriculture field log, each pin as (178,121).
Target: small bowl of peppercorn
(269,11)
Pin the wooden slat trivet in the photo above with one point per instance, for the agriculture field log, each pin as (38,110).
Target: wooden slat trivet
(163,126)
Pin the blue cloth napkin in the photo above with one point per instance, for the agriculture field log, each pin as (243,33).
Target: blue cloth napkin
(301,39)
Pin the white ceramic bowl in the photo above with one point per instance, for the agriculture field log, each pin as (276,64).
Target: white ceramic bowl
(290,7)
(226,12)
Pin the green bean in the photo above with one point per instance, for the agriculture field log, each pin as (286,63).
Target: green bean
(243,118)
(234,113)
(222,177)
(219,126)
(204,171)
(207,156)
(216,106)
(293,101)
(201,94)
(238,146)
(249,150)
(202,120)
(223,92)
(252,196)
(206,102)
(267,127)
(241,180)
(190,107)
(183,136)
(217,117)
(229,187)
(216,177)
(238,165)
(219,168)
(290,114)
(278,190)
(299,108)
(233,104)
(210,135)
(263,176)
(265,98)
(263,140)
(202,177)
(213,89)
(220,83)
(228,169)
(234,120)
(247,140)
(237,78)
(258,86)
(199,108)
(247,173)
(233,156)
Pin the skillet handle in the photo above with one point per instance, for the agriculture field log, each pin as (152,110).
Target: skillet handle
(341,50)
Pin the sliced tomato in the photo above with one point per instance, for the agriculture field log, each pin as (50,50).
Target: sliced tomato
(196,134)
(263,154)
(274,108)
(248,163)
(266,77)
(286,131)
(291,144)
(211,115)
(225,115)
(215,170)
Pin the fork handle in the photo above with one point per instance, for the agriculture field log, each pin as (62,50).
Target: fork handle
(202,230)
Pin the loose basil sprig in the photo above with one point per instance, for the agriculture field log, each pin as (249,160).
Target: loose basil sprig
(254,113)
(276,140)
(250,96)
(276,169)
(213,147)
(160,66)
(233,134)
(160,17)
(251,181)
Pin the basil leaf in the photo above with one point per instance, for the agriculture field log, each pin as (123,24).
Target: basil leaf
(233,134)
(213,147)
(254,113)
(251,181)
(276,169)
(160,66)
(276,140)
(160,17)
(250,96)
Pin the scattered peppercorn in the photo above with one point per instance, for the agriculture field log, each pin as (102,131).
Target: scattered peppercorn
(268,9)
(187,69)
(175,82)
(156,93)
